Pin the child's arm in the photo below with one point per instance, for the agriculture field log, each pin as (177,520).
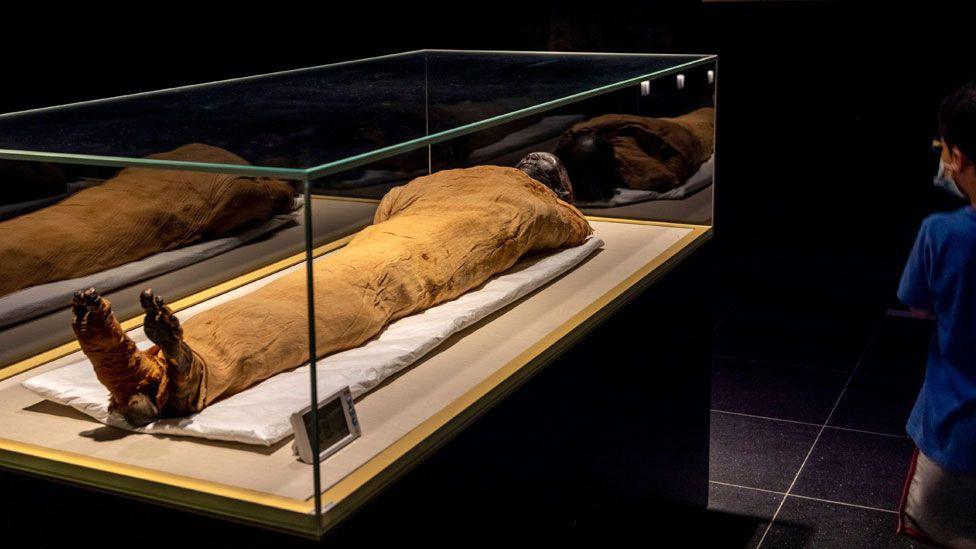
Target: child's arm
(914,289)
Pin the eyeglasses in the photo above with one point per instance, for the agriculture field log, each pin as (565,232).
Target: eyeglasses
(937,145)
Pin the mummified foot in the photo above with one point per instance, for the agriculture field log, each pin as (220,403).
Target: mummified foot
(184,370)
(133,377)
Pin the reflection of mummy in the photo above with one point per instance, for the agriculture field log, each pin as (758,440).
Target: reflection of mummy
(622,150)
(432,240)
(137,213)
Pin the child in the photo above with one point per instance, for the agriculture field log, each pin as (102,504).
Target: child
(939,502)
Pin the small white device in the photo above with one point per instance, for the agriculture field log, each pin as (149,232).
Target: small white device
(337,426)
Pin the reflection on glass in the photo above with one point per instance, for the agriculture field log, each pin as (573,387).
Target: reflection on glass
(137,223)
(327,119)
(656,158)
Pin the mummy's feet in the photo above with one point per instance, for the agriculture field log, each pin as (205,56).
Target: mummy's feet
(184,371)
(161,325)
(132,377)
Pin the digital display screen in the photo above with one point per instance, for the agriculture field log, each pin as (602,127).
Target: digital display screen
(332,424)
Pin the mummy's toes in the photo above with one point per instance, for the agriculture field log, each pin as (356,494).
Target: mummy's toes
(146,298)
(161,325)
(78,305)
(183,371)
(91,298)
(93,320)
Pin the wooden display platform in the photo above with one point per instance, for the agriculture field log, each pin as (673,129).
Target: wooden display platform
(403,420)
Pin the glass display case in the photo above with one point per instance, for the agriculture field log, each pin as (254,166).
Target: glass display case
(164,252)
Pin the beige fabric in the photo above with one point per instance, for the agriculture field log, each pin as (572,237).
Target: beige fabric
(942,504)
(654,153)
(433,240)
(137,213)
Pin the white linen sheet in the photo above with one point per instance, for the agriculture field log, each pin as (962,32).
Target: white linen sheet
(260,415)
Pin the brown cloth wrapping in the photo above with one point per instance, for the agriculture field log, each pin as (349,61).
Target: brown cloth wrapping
(137,213)
(432,240)
(654,153)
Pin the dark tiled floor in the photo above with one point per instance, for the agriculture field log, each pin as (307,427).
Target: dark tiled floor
(876,402)
(833,396)
(757,388)
(757,452)
(855,467)
(809,523)
(755,508)
(883,390)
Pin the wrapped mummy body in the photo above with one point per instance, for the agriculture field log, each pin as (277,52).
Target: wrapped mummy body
(637,152)
(137,213)
(432,240)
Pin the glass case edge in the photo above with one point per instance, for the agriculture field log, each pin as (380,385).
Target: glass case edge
(330,168)
(123,162)
(204,84)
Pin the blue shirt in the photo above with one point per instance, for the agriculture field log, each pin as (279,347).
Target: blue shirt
(941,277)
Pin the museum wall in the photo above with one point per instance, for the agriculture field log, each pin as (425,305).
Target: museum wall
(826,108)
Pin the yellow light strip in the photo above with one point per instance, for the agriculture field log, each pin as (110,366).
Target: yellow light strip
(149,475)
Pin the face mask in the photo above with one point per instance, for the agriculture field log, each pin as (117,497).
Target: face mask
(944,179)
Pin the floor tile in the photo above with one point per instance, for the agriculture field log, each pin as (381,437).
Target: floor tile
(877,402)
(885,385)
(739,516)
(792,339)
(807,523)
(798,394)
(758,453)
(859,468)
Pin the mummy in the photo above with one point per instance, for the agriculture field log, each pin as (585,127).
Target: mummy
(431,240)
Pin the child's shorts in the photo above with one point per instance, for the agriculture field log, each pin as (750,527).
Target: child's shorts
(937,505)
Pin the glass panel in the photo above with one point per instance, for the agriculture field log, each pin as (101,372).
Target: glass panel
(314,152)
(469,87)
(154,282)
(289,121)
(347,301)
(71,227)
(321,120)
(652,155)
(665,155)
(373,180)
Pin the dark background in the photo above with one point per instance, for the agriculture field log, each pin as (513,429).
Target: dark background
(826,109)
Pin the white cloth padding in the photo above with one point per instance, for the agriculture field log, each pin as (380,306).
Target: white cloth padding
(260,415)
(44,298)
(621,197)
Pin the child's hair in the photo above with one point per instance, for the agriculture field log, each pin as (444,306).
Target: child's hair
(957,120)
